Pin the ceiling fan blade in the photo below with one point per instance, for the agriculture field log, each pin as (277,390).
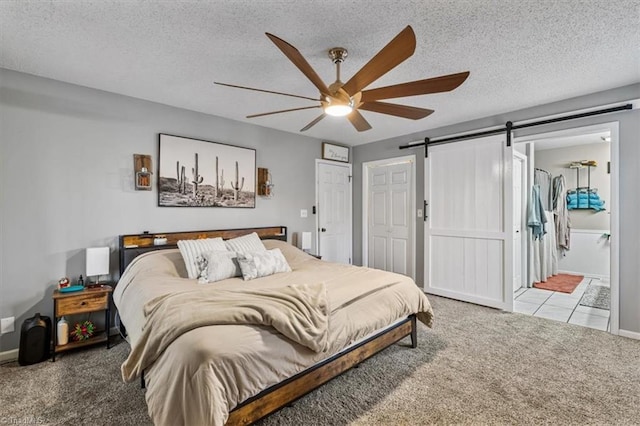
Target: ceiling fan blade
(445,83)
(313,123)
(392,55)
(358,121)
(281,111)
(403,111)
(265,91)
(298,60)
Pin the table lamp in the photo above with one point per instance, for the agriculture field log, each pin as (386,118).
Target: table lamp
(97,262)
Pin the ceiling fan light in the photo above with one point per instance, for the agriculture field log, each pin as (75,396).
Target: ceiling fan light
(338,110)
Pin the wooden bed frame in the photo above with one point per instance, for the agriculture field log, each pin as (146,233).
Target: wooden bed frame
(284,393)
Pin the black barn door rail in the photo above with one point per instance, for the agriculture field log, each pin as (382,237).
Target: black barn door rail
(509,127)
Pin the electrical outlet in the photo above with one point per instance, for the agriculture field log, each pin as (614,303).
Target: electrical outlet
(7,325)
(419,213)
(303,213)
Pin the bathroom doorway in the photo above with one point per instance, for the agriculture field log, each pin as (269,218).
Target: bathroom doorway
(569,271)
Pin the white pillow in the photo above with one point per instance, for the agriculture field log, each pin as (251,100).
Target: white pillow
(220,266)
(192,251)
(262,263)
(245,244)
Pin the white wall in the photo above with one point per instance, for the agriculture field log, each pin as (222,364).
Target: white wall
(590,254)
(66,156)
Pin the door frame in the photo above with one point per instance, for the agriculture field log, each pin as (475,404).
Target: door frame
(317,205)
(365,203)
(524,250)
(614,272)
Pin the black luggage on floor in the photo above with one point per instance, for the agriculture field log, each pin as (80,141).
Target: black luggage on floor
(35,340)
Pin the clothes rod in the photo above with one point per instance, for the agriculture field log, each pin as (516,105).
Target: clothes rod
(510,126)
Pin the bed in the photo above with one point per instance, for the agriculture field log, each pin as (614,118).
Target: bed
(238,373)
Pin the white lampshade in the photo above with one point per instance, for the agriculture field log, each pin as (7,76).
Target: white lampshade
(97,261)
(305,244)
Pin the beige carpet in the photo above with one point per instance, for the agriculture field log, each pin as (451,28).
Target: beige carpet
(477,366)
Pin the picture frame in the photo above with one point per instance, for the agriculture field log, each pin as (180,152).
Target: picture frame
(335,152)
(201,173)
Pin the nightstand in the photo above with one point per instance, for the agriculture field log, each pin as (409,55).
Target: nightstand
(79,302)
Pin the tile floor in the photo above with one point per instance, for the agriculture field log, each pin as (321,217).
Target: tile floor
(562,306)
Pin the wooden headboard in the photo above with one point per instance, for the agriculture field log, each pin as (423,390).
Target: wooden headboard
(132,246)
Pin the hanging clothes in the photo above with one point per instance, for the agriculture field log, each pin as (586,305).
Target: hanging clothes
(545,254)
(561,215)
(536,217)
(543,179)
(542,224)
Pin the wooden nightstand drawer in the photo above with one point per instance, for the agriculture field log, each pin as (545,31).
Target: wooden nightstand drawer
(82,303)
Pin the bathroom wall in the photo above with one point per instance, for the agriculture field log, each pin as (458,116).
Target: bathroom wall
(589,254)
(557,160)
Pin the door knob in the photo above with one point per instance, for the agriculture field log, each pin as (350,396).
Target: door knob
(323,230)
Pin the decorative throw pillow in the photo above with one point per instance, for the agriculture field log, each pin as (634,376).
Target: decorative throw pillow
(245,244)
(220,266)
(192,251)
(262,263)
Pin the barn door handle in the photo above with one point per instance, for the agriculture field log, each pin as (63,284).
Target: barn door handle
(424,211)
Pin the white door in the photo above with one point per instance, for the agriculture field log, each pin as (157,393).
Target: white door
(333,195)
(467,186)
(518,210)
(389,215)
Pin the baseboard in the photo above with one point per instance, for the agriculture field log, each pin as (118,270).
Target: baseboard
(629,334)
(11,355)
(586,275)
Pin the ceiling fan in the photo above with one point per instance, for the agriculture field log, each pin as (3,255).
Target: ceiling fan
(347,99)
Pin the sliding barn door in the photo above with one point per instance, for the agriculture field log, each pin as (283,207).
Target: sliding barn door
(465,233)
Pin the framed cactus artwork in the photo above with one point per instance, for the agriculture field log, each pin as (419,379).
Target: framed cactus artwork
(198,173)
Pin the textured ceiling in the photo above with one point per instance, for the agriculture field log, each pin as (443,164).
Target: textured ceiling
(519,53)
